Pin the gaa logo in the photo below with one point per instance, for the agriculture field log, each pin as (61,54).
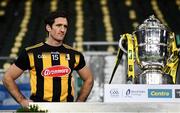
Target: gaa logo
(177,93)
(114,92)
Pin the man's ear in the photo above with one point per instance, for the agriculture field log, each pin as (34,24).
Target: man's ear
(48,27)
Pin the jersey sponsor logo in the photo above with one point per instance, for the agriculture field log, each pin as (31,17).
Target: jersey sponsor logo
(56,71)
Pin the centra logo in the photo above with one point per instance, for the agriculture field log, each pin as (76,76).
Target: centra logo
(159,93)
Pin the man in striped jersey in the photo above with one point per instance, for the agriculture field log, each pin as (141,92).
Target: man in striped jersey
(50,64)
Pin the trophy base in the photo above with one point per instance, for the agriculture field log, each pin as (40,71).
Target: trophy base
(153,77)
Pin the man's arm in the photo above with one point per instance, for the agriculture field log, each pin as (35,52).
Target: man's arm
(9,82)
(87,77)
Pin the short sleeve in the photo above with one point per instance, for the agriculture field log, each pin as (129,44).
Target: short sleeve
(23,61)
(81,63)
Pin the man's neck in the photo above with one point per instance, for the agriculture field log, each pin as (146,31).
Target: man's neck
(54,43)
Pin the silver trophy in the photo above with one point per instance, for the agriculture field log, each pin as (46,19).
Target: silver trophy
(152,45)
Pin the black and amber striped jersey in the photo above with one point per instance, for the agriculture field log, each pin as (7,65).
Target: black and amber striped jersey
(51,71)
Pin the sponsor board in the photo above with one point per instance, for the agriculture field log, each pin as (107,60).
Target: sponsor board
(141,93)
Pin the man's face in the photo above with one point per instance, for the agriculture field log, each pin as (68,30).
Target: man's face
(58,30)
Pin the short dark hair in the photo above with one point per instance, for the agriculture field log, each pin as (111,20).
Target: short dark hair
(49,20)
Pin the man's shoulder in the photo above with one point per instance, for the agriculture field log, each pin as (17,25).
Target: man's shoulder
(34,46)
(69,47)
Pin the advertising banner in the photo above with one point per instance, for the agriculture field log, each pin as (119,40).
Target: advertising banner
(141,93)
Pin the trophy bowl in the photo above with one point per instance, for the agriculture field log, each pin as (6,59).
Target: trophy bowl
(152,46)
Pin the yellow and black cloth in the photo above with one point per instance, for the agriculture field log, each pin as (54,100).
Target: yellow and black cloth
(50,71)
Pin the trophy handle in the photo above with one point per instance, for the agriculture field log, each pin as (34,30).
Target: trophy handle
(130,53)
(172,62)
(122,38)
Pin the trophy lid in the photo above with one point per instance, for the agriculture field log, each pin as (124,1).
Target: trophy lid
(150,23)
